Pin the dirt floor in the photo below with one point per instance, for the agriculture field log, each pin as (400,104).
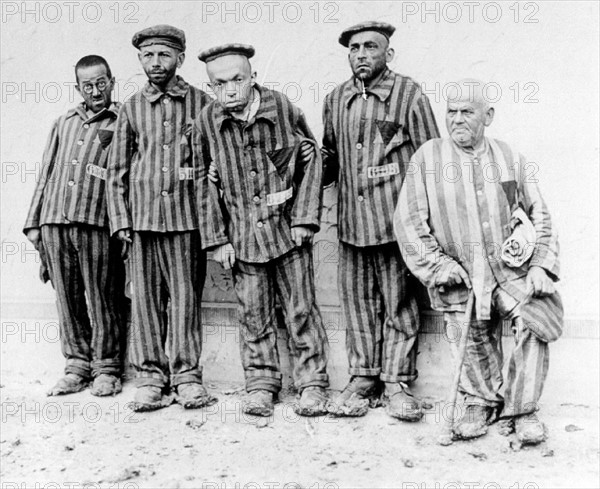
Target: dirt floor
(81,441)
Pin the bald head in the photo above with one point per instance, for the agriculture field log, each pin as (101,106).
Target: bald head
(468,113)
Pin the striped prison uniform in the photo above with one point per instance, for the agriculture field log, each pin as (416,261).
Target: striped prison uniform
(151,190)
(455,207)
(367,146)
(83,261)
(267,190)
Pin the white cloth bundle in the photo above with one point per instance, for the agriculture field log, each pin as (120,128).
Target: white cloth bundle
(519,246)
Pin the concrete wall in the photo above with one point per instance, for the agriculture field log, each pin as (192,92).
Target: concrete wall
(543,58)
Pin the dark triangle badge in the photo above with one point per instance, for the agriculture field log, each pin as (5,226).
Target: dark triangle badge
(387,129)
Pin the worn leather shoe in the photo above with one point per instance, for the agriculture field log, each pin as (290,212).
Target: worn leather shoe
(313,402)
(193,395)
(357,396)
(106,385)
(150,398)
(259,402)
(530,430)
(401,404)
(68,384)
(474,422)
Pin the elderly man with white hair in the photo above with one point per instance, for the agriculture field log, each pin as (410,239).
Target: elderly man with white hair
(470,219)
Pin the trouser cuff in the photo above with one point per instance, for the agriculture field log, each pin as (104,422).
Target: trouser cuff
(470,400)
(144,379)
(110,366)
(191,376)
(268,380)
(317,380)
(364,372)
(78,367)
(399,377)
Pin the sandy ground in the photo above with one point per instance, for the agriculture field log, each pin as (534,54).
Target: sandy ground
(81,441)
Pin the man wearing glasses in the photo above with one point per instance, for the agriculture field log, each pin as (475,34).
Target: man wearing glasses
(68,222)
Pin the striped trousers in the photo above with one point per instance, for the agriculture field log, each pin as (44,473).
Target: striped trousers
(381,314)
(481,379)
(167,278)
(86,270)
(290,279)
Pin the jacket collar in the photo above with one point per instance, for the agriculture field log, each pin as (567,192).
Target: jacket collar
(111,111)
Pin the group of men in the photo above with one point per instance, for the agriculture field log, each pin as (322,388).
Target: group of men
(172,174)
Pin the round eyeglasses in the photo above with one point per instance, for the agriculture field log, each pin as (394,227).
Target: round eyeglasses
(89,87)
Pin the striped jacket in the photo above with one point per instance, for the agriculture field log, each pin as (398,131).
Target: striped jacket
(368,144)
(267,190)
(456,207)
(71,185)
(151,178)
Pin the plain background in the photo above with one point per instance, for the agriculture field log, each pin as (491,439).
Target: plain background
(547,72)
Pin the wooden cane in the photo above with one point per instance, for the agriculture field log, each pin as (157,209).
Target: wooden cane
(446,437)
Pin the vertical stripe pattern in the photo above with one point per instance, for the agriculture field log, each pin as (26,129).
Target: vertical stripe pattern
(290,279)
(482,380)
(71,185)
(381,315)
(83,264)
(168,278)
(151,177)
(367,146)
(454,208)
(257,162)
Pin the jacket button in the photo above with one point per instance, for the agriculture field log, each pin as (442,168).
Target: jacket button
(71,183)
(165,146)
(164,169)
(256,199)
(74,162)
(164,193)
(166,123)
(259,224)
(166,100)
(86,126)
(358,145)
(252,173)
(80,142)
(360,198)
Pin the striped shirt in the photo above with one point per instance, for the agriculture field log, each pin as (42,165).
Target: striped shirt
(151,178)
(456,207)
(267,189)
(370,142)
(71,184)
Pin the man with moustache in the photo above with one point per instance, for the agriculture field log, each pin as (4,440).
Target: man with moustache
(68,224)
(374,122)
(152,209)
(463,233)
(262,224)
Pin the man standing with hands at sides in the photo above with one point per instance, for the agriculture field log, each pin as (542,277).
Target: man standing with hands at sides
(152,209)
(263,225)
(374,122)
(68,222)
(458,234)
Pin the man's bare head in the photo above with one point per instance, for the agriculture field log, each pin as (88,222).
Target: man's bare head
(468,112)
